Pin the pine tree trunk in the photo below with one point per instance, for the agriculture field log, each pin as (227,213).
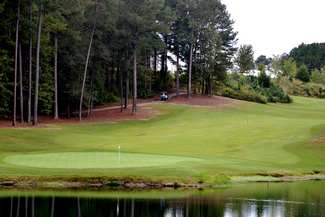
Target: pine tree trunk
(177,73)
(90,97)
(56,106)
(86,65)
(127,83)
(135,88)
(150,74)
(16,66)
(121,85)
(155,61)
(154,68)
(162,66)
(37,74)
(166,64)
(210,85)
(127,87)
(189,90)
(29,115)
(211,88)
(21,86)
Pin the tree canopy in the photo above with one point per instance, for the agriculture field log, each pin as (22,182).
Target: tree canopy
(245,58)
(312,55)
(87,50)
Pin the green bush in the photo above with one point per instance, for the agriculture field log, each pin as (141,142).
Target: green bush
(276,94)
(264,80)
(242,94)
(299,88)
(110,97)
(318,76)
(251,88)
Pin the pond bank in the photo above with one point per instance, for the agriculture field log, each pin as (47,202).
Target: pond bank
(138,184)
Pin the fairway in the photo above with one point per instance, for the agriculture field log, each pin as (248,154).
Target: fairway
(183,142)
(93,160)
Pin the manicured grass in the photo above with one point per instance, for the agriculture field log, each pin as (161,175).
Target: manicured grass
(93,160)
(183,143)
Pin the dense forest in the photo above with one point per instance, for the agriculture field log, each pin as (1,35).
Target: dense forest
(60,57)
(312,55)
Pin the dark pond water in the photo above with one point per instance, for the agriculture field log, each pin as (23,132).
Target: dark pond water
(265,200)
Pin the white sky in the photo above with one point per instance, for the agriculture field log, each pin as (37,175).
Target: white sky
(277,26)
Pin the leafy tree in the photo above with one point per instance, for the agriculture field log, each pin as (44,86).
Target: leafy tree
(245,59)
(263,60)
(276,63)
(289,67)
(303,73)
(318,76)
(87,60)
(212,28)
(16,62)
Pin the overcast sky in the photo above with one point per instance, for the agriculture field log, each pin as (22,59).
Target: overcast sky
(276,26)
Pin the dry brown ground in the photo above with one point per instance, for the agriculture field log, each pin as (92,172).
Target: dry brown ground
(112,113)
(101,115)
(205,101)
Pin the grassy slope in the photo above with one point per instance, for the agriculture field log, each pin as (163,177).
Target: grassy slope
(244,140)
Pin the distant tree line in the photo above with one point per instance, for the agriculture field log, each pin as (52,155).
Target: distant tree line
(58,57)
(305,62)
(301,72)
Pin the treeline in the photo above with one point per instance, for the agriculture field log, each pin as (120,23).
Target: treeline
(301,72)
(59,57)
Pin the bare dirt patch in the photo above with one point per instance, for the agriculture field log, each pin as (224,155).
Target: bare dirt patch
(109,114)
(318,144)
(112,113)
(205,101)
(319,140)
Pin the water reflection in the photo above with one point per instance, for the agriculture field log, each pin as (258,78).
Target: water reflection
(277,202)
(188,207)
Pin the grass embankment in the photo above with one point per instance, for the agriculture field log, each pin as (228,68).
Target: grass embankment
(185,144)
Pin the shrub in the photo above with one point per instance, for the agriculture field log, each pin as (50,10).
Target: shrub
(112,98)
(255,89)
(264,80)
(264,86)
(298,88)
(276,94)
(318,76)
(242,94)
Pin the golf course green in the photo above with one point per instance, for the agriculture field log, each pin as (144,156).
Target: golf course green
(183,142)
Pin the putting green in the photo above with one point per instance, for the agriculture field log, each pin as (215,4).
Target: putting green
(92,160)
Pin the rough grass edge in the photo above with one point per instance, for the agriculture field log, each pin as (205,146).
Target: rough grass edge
(135,183)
